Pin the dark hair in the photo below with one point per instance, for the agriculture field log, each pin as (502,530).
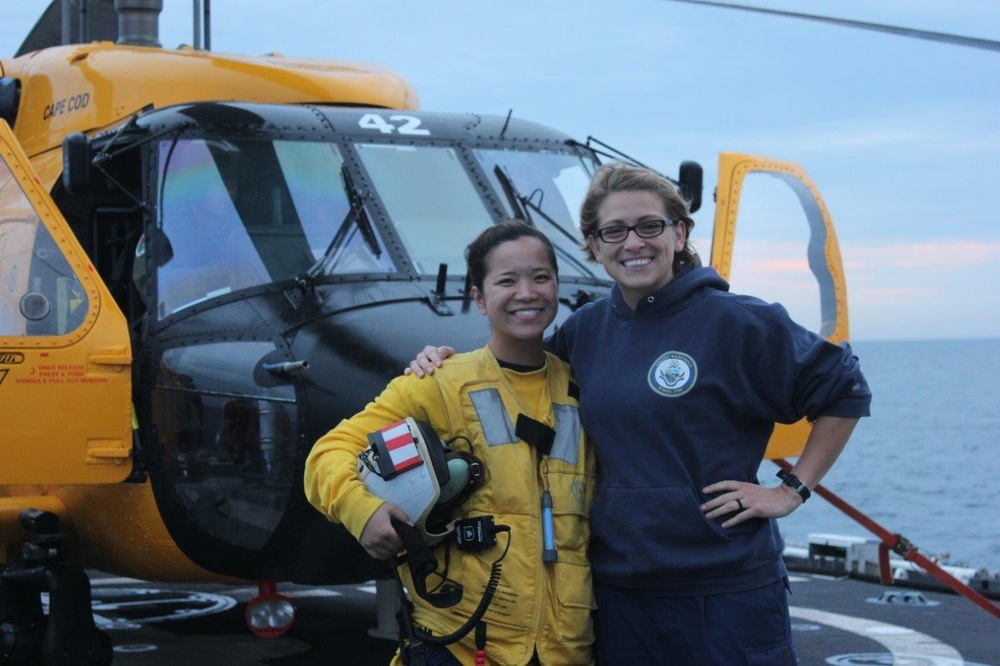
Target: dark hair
(621,177)
(478,250)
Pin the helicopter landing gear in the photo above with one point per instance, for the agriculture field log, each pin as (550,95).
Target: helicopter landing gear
(67,636)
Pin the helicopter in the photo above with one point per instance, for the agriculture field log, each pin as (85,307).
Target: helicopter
(206,268)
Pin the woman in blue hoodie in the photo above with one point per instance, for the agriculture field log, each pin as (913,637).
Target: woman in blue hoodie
(681,384)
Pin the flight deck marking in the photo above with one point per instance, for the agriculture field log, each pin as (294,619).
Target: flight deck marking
(887,659)
(119,608)
(129,608)
(905,644)
(114,581)
(302,594)
(132,649)
(248,593)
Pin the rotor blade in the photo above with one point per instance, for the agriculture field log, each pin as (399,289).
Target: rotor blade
(101,25)
(958,40)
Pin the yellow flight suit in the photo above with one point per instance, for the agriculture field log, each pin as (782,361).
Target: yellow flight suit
(541,608)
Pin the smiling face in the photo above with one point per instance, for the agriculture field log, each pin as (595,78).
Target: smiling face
(640,266)
(520,296)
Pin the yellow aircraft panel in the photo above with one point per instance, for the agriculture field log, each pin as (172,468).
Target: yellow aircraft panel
(57,99)
(65,355)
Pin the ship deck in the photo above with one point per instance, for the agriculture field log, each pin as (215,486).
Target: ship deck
(835,620)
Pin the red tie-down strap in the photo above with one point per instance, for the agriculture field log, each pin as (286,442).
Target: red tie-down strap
(900,545)
(884,571)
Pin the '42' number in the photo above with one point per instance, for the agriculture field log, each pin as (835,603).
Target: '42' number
(401,124)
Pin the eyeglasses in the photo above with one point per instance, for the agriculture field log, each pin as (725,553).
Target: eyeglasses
(647,229)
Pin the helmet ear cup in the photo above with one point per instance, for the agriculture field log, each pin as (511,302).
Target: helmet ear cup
(467,474)
(459,476)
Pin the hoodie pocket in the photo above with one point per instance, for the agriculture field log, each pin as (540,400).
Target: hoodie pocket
(654,529)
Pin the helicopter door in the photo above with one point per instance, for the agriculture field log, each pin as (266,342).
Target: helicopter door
(821,250)
(65,356)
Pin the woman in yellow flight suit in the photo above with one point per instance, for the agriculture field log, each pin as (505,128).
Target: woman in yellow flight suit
(541,611)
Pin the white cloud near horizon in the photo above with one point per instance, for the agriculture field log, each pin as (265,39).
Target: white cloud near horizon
(892,287)
(959,254)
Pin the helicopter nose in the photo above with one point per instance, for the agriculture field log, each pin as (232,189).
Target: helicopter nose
(237,415)
(352,356)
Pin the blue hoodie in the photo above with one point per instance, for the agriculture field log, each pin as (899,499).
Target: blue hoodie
(682,393)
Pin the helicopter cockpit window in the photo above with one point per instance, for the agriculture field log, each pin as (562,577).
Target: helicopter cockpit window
(236,214)
(547,189)
(431,201)
(39,293)
(315,185)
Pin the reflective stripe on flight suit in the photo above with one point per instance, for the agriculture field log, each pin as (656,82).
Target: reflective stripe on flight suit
(499,430)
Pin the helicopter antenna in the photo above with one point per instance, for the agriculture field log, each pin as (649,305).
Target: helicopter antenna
(506,122)
(958,40)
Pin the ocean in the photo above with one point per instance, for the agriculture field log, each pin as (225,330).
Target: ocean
(926,464)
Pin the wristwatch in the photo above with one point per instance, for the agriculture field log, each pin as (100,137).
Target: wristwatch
(795,484)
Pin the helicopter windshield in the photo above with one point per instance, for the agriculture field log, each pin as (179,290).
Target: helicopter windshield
(237,214)
(430,199)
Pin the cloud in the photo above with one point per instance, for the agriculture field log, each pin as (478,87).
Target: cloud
(885,294)
(767,257)
(896,290)
(929,130)
(784,266)
(947,254)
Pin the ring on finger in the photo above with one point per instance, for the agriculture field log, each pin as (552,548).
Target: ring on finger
(740,505)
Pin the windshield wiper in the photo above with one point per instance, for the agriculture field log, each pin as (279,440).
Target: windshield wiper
(518,201)
(355,214)
(522,206)
(508,189)
(338,238)
(364,224)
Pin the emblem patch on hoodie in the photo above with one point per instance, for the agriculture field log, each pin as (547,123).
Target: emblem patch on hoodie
(673,374)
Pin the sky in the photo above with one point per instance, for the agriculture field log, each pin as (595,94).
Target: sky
(900,135)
